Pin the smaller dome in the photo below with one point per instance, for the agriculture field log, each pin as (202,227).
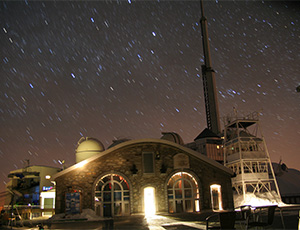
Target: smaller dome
(89,144)
(116,142)
(171,136)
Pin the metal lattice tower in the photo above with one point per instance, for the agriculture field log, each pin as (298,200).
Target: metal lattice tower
(245,152)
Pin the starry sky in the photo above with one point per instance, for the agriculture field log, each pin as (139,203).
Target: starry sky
(128,69)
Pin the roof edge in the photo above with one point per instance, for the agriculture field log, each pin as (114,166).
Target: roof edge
(146,140)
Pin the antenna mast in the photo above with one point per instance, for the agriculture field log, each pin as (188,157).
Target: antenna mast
(209,82)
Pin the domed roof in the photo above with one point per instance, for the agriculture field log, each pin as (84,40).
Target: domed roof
(171,136)
(116,142)
(89,144)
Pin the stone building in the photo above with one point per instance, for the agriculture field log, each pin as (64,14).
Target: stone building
(142,176)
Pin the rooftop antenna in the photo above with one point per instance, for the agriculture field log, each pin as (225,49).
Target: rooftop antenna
(209,82)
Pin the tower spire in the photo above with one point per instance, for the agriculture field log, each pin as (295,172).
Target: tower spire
(209,82)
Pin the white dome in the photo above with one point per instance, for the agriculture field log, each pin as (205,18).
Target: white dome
(87,147)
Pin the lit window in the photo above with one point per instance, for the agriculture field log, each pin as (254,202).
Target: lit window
(216,198)
(112,196)
(183,193)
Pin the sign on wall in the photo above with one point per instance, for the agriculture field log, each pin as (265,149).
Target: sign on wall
(181,161)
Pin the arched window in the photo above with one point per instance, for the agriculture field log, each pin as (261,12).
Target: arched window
(112,196)
(183,193)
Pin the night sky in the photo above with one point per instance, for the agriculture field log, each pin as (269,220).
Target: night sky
(127,69)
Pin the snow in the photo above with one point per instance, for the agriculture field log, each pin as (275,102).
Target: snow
(88,214)
(288,180)
(257,200)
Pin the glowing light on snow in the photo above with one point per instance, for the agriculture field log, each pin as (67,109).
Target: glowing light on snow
(257,200)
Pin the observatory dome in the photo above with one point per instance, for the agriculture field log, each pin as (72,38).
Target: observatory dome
(87,147)
(118,141)
(171,136)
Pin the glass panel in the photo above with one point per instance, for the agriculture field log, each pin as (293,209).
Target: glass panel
(98,194)
(178,184)
(118,196)
(178,194)
(107,196)
(170,191)
(148,162)
(187,184)
(48,203)
(215,199)
(107,187)
(188,206)
(117,209)
(117,186)
(107,210)
(188,193)
(178,205)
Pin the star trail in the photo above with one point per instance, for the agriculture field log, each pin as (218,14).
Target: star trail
(132,69)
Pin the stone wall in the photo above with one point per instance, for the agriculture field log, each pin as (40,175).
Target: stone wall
(121,161)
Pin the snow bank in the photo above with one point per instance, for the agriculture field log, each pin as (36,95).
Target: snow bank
(88,214)
(256,200)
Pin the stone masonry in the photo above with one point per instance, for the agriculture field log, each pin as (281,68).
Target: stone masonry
(121,159)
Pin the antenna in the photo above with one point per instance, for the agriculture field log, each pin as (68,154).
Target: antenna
(209,82)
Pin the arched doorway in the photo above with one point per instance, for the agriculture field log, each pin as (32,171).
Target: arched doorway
(112,196)
(183,193)
(149,201)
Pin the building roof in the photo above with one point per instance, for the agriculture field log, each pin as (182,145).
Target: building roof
(205,134)
(118,141)
(171,136)
(145,141)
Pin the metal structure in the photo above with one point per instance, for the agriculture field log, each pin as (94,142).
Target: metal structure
(245,152)
(209,82)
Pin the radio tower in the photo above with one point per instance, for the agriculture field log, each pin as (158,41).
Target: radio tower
(209,142)
(209,82)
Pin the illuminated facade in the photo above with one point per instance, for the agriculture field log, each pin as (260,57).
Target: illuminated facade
(30,189)
(145,176)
